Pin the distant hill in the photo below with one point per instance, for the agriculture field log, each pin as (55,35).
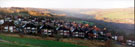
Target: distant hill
(117,15)
(25,11)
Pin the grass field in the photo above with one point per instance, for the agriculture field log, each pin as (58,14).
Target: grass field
(28,42)
(118,15)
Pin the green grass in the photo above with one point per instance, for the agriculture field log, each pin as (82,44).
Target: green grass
(27,42)
(5,44)
(82,21)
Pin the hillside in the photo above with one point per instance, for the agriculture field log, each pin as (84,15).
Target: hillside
(25,11)
(12,41)
(119,15)
(119,20)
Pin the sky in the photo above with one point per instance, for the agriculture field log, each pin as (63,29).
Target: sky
(68,3)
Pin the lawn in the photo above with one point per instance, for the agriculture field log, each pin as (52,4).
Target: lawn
(28,42)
